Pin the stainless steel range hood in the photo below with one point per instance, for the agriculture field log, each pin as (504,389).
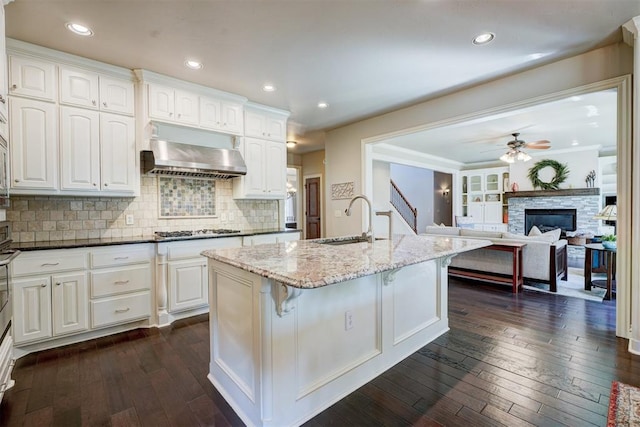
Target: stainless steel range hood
(192,161)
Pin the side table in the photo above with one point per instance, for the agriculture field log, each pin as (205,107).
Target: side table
(610,261)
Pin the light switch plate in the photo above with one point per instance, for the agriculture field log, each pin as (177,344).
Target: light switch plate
(128,219)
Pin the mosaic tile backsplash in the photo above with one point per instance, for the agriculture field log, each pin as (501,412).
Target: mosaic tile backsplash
(45,218)
(186,197)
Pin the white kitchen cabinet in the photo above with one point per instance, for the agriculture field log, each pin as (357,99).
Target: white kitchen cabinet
(222,116)
(4,86)
(79,87)
(7,362)
(168,104)
(116,95)
(33,78)
(34,144)
(118,153)
(80,149)
(260,124)
(70,303)
(120,284)
(87,89)
(184,283)
(188,284)
(266,176)
(47,306)
(32,309)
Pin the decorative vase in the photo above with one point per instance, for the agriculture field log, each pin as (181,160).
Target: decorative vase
(514,187)
(609,245)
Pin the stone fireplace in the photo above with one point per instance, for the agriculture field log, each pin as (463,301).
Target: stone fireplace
(585,202)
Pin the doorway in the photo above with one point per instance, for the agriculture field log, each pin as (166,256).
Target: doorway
(313,207)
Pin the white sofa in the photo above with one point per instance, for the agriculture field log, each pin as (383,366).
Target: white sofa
(544,257)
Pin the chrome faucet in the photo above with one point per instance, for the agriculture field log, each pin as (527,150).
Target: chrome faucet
(369,233)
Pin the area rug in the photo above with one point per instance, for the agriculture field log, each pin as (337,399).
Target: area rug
(573,287)
(624,405)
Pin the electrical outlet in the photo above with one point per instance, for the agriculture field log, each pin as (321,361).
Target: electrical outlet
(337,213)
(348,320)
(128,219)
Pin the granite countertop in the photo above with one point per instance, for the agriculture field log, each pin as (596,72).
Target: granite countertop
(84,243)
(312,264)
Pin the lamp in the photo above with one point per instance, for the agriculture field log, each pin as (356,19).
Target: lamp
(609,213)
(291,144)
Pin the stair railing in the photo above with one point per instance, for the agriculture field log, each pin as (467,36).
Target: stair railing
(404,208)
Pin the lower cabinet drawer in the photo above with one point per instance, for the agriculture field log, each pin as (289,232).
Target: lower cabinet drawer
(122,309)
(120,281)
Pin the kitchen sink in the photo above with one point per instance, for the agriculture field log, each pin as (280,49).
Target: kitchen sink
(343,241)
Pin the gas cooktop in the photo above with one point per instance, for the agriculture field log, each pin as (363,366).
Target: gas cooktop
(194,233)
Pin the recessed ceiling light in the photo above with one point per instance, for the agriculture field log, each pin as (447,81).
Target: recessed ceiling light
(575,142)
(483,38)
(193,64)
(79,29)
(268,87)
(535,56)
(291,144)
(575,98)
(322,105)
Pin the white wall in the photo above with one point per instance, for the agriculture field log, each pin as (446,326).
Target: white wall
(579,163)
(343,145)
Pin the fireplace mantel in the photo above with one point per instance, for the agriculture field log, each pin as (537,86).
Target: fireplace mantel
(552,193)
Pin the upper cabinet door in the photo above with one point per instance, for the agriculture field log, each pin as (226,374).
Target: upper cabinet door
(32,77)
(276,128)
(232,118)
(276,173)
(254,124)
(186,107)
(161,102)
(118,153)
(34,144)
(80,149)
(116,95)
(78,87)
(3,69)
(210,113)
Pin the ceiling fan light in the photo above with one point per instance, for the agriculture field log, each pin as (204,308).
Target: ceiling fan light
(508,157)
(523,156)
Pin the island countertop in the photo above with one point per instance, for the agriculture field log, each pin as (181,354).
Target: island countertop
(312,264)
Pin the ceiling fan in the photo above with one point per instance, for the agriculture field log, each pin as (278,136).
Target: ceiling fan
(515,149)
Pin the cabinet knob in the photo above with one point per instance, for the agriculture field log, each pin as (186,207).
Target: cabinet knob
(95,185)
(179,115)
(224,124)
(94,102)
(104,104)
(14,86)
(106,185)
(58,284)
(16,180)
(2,120)
(43,285)
(2,99)
(170,114)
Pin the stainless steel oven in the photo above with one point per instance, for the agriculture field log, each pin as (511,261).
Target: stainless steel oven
(6,256)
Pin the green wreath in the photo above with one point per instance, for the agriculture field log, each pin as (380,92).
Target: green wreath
(562,172)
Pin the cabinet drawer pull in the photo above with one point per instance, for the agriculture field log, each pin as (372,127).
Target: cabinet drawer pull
(49,264)
(121,257)
(121,282)
(43,285)
(122,310)
(58,284)
(2,99)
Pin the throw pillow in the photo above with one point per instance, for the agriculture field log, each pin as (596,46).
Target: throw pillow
(554,233)
(535,231)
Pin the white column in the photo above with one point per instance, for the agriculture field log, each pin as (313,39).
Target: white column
(631,33)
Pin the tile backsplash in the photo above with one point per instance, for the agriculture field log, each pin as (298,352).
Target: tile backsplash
(45,218)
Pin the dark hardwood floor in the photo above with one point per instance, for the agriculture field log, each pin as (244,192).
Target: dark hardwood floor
(531,359)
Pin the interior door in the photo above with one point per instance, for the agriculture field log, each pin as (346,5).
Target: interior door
(312,208)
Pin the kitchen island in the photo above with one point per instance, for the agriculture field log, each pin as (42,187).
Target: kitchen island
(297,326)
